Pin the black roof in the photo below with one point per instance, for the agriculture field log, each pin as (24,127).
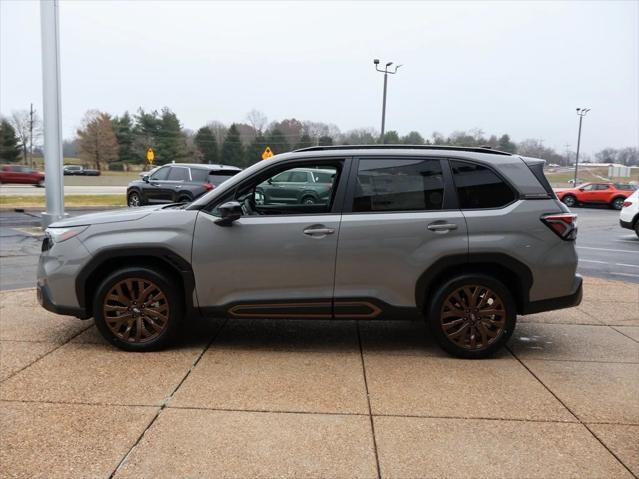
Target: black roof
(480,149)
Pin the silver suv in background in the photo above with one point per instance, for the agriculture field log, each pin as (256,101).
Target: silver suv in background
(462,238)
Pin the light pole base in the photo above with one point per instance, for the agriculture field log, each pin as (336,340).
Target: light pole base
(48,218)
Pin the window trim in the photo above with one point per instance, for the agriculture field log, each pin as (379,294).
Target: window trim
(449,202)
(517,196)
(265,173)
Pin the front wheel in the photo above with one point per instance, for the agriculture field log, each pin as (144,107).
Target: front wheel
(472,316)
(617,203)
(570,201)
(137,309)
(134,200)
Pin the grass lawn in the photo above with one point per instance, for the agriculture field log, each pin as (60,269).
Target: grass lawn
(7,201)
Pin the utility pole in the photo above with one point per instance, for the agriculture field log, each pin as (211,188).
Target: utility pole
(52,114)
(31,136)
(386,72)
(581,112)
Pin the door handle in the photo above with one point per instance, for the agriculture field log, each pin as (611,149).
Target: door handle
(318,231)
(442,226)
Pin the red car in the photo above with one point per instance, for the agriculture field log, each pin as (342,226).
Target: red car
(611,194)
(22,175)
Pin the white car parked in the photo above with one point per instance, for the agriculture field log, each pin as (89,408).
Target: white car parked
(629,216)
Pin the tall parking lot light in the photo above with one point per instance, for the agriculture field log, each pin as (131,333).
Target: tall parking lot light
(51,111)
(386,72)
(581,112)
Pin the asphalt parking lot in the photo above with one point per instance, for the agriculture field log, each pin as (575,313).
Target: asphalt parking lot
(268,398)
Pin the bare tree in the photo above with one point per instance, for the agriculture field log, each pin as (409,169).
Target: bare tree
(219,130)
(29,130)
(257,120)
(97,143)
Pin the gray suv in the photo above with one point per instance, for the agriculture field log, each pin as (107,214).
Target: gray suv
(463,238)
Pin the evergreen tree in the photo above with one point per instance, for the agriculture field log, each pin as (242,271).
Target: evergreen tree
(145,132)
(232,151)
(171,142)
(207,145)
(305,141)
(123,129)
(325,140)
(506,145)
(391,138)
(277,141)
(9,144)
(254,151)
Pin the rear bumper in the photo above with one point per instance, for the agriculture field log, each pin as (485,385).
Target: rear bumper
(44,298)
(573,299)
(626,224)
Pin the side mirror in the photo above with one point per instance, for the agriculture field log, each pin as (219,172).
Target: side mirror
(145,178)
(581,189)
(270,181)
(229,212)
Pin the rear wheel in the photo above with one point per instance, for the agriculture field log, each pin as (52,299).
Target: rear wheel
(617,203)
(308,200)
(569,201)
(472,316)
(637,228)
(137,309)
(134,200)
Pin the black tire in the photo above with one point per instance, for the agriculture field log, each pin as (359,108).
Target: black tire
(308,200)
(637,228)
(617,203)
(40,184)
(570,201)
(134,199)
(164,298)
(494,331)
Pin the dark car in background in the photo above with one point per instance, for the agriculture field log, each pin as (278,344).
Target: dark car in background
(177,183)
(20,175)
(306,186)
(77,170)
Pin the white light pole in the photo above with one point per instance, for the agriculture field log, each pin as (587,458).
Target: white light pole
(51,112)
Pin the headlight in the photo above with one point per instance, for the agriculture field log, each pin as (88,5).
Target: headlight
(58,235)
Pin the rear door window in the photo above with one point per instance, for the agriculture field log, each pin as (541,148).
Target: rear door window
(478,187)
(178,173)
(398,185)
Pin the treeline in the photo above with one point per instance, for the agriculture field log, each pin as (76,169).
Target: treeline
(105,141)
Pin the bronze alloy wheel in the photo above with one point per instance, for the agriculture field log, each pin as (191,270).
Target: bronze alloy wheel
(136,310)
(473,317)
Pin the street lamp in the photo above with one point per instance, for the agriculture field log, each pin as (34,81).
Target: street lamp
(581,112)
(386,72)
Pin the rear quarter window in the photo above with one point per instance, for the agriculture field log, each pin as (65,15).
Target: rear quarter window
(478,187)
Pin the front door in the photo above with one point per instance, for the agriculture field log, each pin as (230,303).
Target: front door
(276,261)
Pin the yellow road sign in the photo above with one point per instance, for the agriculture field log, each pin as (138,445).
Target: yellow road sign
(267,153)
(150,155)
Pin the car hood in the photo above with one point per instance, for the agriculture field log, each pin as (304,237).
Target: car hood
(113,216)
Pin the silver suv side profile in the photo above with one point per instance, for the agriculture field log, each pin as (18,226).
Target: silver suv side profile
(463,238)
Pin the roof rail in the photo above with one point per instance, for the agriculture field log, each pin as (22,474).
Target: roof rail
(475,149)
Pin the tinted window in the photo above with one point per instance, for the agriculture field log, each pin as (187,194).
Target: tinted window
(199,175)
(601,187)
(398,185)
(624,186)
(479,187)
(161,174)
(178,173)
(323,176)
(587,187)
(298,177)
(282,177)
(218,177)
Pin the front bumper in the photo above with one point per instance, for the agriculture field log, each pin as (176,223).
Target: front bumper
(44,298)
(573,299)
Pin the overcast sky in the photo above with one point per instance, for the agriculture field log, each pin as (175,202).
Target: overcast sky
(504,67)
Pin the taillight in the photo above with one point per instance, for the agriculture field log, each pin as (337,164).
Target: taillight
(563,225)
(627,203)
(208,186)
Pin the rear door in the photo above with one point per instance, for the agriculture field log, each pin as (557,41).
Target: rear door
(400,217)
